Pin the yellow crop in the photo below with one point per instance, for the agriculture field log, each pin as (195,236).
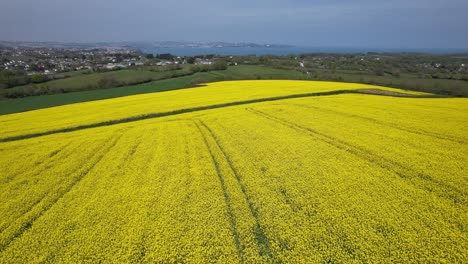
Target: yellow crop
(132,106)
(345,178)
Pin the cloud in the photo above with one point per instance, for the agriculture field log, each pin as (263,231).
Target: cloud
(306,22)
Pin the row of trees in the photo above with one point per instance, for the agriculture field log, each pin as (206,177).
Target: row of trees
(10,79)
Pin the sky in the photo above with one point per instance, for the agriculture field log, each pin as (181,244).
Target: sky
(314,23)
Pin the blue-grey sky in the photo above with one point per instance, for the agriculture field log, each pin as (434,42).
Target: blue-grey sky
(337,23)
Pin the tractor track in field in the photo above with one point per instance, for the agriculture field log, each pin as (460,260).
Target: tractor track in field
(27,209)
(227,200)
(409,130)
(129,156)
(41,166)
(202,108)
(27,223)
(404,172)
(138,256)
(261,238)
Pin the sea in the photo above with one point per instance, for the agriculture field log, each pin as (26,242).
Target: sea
(281,51)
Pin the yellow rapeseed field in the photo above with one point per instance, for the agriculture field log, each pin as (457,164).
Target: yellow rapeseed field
(338,178)
(137,105)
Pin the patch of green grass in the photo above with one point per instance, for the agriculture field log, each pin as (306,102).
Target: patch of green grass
(92,81)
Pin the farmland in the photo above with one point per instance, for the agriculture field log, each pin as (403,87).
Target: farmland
(240,171)
(140,106)
(92,80)
(79,93)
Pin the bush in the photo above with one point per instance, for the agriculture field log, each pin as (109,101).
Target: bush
(191,60)
(107,81)
(39,78)
(379,72)
(219,65)
(200,68)
(196,82)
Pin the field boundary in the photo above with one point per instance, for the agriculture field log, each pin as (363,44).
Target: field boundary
(208,107)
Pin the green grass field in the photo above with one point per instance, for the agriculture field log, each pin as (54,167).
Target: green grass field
(9,106)
(80,82)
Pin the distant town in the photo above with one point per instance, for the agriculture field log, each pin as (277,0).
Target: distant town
(51,57)
(48,58)
(28,68)
(52,60)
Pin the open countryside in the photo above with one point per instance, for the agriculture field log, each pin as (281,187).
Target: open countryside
(238,171)
(233,132)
